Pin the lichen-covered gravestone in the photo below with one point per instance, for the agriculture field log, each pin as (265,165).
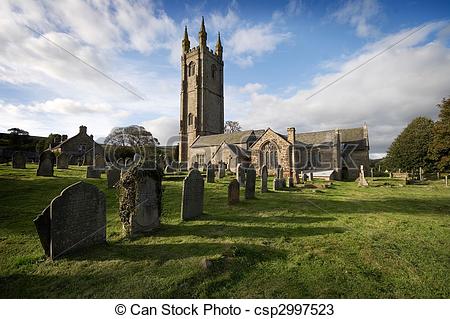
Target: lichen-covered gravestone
(140,201)
(240,175)
(250,183)
(46,161)
(233,192)
(19,160)
(92,172)
(75,219)
(192,199)
(210,174)
(62,161)
(113,176)
(264,176)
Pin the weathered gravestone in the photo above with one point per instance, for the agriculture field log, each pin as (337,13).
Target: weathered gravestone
(233,192)
(210,174)
(311,177)
(75,219)
(46,161)
(221,171)
(240,175)
(264,177)
(290,182)
(62,161)
(362,180)
(19,160)
(113,176)
(195,165)
(250,183)
(92,172)
(192,202)
(140,198)
(279,182)
(99,162)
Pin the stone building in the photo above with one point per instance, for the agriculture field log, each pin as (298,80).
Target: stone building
(335,154)
(80,147)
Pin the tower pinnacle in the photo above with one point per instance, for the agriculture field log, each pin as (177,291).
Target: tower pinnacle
(185,44)
(219,47)
(202,35)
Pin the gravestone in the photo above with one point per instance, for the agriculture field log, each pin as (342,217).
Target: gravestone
(62,161)
(113,177)
(195,165)
(99,162)
(390,174)
(250,183)
(192,199)
(87,158)
(92,172)
(221,171)
(446,181)
(297,177)
(290,182)
(264,177)
(233,192)
(46,161)
(140,198)
(19,160)
(304,177)
(371,172)
(277,184)
(420,174)
(210,173)
(311,177)
(240,175)
(362,180)
(74,220)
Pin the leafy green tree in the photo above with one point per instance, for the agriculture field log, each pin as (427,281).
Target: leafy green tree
(410,149)
(17,131)
(439,150)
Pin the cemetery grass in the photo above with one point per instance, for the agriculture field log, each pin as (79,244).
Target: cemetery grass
(384,241)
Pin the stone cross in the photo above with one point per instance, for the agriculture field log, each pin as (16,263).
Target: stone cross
(250,183)
(19,160)
(46,161)
(233,192)
(210,173)
(193,189)
(74,220)
(62,161)
(264,177)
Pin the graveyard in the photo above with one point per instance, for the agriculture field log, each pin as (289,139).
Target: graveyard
(387,240)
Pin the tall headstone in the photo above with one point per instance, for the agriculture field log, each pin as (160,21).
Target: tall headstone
(221,171)
(240,175)
(113,177)
(140,198)
(420,174)
(192,198)
(250,183)
(264,177)
(99,162)
(19,160)
(210,174)
(46,161)
(233,192)
(371,172)
(74,220)
(280,172)
(362,180)
(92,172)
(62,161)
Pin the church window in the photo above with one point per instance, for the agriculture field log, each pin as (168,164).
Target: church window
(190,119)
(200,159)
(213,71)
(269,155)
(191,69)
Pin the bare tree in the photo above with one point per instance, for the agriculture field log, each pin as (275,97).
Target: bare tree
(232,126)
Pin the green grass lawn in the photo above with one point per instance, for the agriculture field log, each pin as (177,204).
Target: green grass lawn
(342,242)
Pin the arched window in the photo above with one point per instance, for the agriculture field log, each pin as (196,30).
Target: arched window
(213,71)
(190,119)
(269,155)
(191,69)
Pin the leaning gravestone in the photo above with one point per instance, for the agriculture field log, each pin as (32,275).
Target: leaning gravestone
(233,192)
(140,198)
(264,176)
(19,160)
(240,175)
(113,177)
(92,172)
(210,173)
(62,161)
(46,161)
(75,219)
(250,183)
(192,202)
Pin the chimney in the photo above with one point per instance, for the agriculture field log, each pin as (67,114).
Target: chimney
(63,138)
(291,135)
(83,129)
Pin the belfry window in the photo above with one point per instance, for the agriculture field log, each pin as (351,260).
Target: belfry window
(213,71)
(269,155)
(191,69)
(190,119)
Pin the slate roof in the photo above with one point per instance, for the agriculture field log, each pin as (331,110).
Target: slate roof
(238,151)
(229,138)
(347,135)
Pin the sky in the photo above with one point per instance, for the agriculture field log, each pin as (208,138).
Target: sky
(312,65)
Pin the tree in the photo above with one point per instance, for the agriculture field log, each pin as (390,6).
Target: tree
(439,150)
(232,126)
(410,149)
(17,131)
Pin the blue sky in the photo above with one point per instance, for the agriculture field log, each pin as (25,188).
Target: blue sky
(277,53)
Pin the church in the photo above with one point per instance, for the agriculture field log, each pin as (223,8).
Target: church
(332,154)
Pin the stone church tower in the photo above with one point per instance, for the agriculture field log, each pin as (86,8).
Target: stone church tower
(201,98)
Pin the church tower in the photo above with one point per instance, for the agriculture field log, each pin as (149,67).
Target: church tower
(201,98)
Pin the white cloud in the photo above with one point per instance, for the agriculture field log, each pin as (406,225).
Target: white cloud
(359,14)
(165,129)
(251,88)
